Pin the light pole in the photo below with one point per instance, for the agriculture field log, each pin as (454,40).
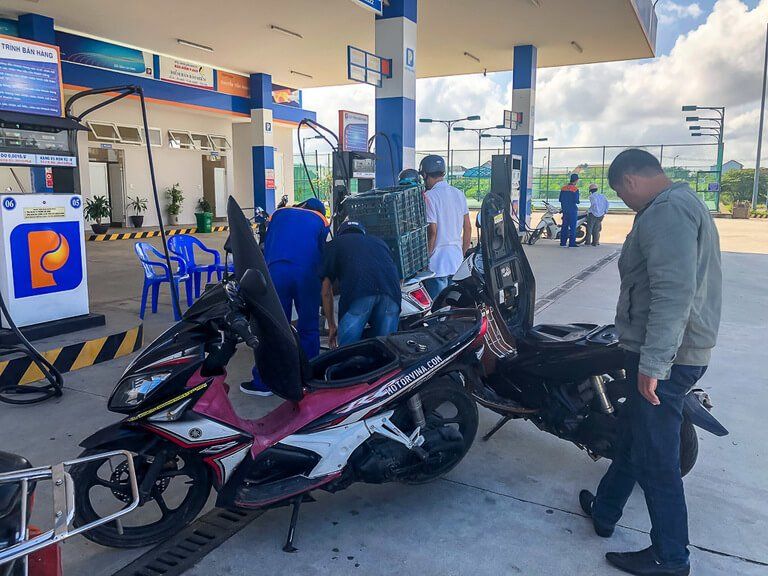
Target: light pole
(719,129)
(317,158)
(756,183)
(449,125)
(480,132)
(674,160)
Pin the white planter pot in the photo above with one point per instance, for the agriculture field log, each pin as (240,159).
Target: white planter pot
(174,219)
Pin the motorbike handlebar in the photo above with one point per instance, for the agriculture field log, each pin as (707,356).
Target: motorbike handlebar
(240,326)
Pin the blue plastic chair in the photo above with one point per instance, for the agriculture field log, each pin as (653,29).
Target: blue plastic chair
(183,245)
(156,272)
(227,267)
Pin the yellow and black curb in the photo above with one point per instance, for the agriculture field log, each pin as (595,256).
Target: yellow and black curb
(149,234)
(74,356)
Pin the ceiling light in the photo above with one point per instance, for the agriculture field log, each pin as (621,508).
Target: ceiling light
(472,56)
(301,74)
(286,31)
(576,46)
(193,45)
(536,3)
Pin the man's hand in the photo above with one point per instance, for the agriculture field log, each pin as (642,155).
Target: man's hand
(333,332)
(647,388)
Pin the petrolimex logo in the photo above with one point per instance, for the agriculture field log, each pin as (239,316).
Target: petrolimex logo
(46,258)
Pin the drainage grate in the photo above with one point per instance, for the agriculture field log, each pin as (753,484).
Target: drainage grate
(177,555)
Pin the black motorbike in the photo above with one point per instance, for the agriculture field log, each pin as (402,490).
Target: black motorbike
(566,379)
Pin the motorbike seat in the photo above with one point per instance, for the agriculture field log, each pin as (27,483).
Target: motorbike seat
(554,334)
(351,365)
(10,492)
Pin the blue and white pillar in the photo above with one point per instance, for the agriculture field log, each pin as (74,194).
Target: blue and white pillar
(396,99)
(262,145)
(40,29)
(524,100)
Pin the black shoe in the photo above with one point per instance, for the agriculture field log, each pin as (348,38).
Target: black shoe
(586,501)
(253,389)
(644,563)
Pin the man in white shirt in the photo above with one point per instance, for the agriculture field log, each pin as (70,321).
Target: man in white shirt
(449,230)
(598,208)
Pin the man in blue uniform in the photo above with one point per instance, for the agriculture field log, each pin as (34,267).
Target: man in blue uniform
(293,250)
(368,282)
(569,204)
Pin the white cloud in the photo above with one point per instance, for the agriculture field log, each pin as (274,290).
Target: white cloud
(669,12)
(624,103)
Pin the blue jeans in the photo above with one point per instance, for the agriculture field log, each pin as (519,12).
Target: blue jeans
(570,219)
(649,454)
(381,311)
(435,285)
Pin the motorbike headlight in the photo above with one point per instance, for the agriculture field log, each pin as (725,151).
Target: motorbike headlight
(132,391)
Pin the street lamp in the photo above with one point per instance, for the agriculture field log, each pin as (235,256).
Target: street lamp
(317,158)
(479,132)
(717,132)
(448,124)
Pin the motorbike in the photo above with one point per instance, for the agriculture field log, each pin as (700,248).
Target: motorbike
(567,379)
(18,482)
(384,409)
(549,228)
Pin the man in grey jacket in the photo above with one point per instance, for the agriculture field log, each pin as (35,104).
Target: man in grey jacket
(667,320)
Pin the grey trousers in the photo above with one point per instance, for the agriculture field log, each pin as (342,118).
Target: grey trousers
(594,226)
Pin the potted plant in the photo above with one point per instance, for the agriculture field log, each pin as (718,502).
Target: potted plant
(95,209)
(204,216)
(139,206)
(175,200)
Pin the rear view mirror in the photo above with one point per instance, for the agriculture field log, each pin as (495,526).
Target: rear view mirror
(253,284)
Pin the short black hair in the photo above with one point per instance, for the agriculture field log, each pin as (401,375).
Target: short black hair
(632,161)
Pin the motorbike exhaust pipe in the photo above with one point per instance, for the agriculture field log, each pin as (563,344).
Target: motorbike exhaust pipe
(598,386)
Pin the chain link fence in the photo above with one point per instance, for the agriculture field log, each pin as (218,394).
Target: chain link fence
(552,166)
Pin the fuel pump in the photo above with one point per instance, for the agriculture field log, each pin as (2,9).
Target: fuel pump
(505,180)
(353,172)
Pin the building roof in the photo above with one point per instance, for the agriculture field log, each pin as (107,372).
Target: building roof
(565,31)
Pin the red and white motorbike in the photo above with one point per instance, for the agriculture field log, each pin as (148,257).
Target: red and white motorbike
(384,409)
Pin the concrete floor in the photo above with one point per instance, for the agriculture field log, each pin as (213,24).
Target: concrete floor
(510,507)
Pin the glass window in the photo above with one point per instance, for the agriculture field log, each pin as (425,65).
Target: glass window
(104,131)
(220,143)
(202,142)
(129,135)
(155,136)
(180,139)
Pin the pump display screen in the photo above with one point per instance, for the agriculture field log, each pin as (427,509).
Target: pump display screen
(17,139)
(363,168)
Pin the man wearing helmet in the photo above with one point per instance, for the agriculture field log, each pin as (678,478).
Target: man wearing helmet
(449,230)
(368,283)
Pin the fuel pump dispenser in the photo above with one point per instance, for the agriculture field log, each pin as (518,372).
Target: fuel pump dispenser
(505,180)
(353,172)
(43,279)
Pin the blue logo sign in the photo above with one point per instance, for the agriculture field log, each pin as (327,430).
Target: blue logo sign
(410,58)
(75,202)
(9,203)
(46,258)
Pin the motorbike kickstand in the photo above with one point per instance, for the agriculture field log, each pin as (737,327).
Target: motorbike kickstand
(503,420)
(288,547)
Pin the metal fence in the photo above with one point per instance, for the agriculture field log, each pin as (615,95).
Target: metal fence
(692,163)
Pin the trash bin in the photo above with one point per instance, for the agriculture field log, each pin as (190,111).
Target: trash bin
(204,221)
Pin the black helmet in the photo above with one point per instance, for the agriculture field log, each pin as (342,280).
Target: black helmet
(350,226)
(432,164)
(409,177)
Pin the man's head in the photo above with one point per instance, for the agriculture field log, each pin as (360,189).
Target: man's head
(432,170)
(637,177)
(574,178)
(350,227)
(592,188)
(313,204)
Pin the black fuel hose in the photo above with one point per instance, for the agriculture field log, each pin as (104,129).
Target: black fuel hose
(30,393)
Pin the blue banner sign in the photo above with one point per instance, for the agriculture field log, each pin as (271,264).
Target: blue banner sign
(98,54)
(375,5)
(9,27)
(30,77)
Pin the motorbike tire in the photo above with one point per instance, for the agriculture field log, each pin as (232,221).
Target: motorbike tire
(581,233)
(434,395)
(138,536)
(689,446)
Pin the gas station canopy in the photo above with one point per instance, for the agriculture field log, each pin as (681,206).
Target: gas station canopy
(303,44)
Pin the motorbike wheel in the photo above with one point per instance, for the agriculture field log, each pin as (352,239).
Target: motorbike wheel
(445,404)
(689,446)
(581,233)
(183,482)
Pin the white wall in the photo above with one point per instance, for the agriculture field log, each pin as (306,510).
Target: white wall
(283,138)
(171,166)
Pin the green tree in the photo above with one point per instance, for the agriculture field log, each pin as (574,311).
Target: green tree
(737,186)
